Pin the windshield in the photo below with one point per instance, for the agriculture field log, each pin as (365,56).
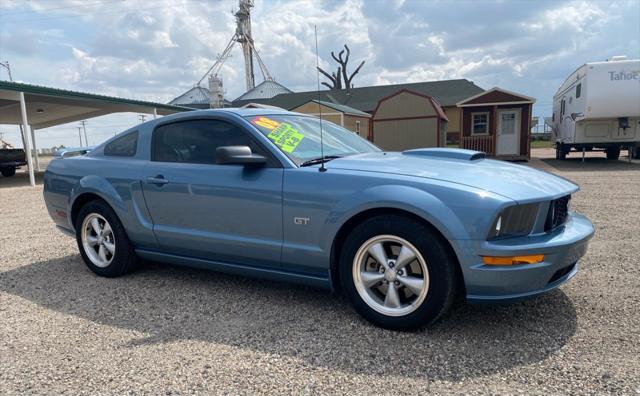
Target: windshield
(298,137)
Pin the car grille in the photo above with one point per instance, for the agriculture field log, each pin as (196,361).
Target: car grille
(558,212)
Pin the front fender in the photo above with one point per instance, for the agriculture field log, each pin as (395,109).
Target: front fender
(410,199)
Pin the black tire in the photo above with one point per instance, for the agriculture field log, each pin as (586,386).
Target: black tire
(124,259)
(613,153)
(8,172)
(440,264)
(634,152)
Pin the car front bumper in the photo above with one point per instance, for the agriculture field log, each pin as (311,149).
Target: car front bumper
(562,248)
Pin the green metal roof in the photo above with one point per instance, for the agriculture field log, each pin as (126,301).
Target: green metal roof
(446,92)
(63,93)
(340,108)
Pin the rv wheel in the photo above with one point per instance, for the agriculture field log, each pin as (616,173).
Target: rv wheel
(634,152)
(561,152)
(613,153)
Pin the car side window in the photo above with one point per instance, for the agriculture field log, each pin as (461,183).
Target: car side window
(124,146)
(196,141)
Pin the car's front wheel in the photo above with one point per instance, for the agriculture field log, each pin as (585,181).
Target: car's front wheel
(397,272)
(102,240)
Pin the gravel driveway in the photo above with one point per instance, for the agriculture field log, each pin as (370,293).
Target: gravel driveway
(169,330)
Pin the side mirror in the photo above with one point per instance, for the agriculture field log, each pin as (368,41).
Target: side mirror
(238,155)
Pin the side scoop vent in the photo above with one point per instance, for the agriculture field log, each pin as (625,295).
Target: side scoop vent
(459,154)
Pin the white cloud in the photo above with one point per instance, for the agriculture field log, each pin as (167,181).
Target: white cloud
(158,50)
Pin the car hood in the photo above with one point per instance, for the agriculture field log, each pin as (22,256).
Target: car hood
(518,182)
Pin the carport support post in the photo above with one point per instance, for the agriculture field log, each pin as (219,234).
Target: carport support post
(155,113)
(27,149)
(35,148)
(583,151)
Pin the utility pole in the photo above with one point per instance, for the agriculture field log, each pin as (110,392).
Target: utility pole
(8,67)
(84,127)
(80,135)
(141,117)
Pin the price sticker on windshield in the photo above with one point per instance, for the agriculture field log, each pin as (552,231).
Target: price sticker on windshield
(286,137)
(265,122)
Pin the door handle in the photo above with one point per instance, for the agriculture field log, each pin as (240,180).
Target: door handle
(159,180)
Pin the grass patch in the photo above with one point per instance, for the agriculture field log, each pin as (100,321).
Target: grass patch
(541,144)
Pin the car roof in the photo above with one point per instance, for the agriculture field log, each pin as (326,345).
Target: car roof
(242,112)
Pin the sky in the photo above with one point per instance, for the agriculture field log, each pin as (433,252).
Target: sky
(157,50)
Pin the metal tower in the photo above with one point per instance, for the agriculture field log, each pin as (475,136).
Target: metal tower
(243,36)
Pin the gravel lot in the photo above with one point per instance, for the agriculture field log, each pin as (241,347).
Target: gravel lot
(177,330)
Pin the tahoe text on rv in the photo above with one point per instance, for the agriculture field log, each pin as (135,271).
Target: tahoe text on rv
(634,75)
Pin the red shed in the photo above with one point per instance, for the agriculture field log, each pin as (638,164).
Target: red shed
(497,122)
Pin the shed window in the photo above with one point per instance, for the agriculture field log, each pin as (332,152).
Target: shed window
(578,90)
(480,123)
(124,146)
(358,127)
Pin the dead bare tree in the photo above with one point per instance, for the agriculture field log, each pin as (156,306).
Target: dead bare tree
(341,78)
(335,78)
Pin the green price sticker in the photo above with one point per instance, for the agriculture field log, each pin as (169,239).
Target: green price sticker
(286,137)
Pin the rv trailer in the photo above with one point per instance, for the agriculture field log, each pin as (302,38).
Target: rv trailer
(598,108)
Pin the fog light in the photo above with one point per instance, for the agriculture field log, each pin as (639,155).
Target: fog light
(513,260)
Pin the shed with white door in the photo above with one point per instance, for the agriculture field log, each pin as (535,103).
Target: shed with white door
(497,122)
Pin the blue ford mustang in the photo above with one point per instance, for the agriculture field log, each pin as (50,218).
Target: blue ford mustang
(265,193)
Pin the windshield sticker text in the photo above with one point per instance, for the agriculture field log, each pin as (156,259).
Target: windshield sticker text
(286,137)
(265,122)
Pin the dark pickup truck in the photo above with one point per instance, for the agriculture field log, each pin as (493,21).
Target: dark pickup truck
(10,160)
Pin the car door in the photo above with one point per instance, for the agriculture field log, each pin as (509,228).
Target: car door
(201,209)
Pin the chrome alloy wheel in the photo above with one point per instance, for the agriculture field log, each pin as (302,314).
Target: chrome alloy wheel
(98,240)
(390,275)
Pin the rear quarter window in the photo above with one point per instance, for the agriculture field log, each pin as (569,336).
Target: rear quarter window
(124,146)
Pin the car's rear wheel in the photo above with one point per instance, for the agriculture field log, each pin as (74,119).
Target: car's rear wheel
(397,272)
(102,240)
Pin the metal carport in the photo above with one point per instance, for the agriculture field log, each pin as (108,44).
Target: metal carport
(34,107)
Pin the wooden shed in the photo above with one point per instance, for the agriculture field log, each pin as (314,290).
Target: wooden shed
(497,122)
(407,120)
(353,119)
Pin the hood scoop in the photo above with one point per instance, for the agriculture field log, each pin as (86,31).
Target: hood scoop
(446,153)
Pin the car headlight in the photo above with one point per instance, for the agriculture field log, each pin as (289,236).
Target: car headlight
(516,220)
